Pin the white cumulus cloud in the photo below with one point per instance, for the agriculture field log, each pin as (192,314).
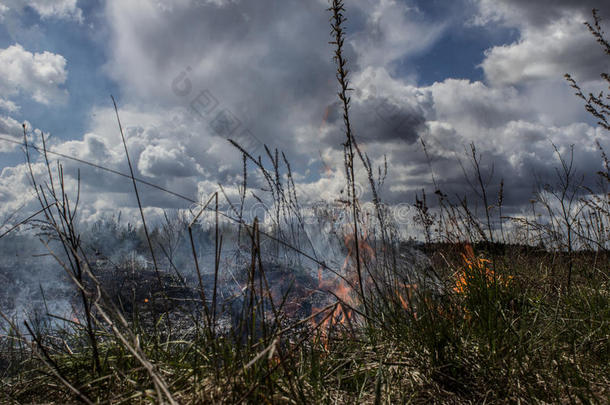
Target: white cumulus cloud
(39,75)
(547,52)
(11,129)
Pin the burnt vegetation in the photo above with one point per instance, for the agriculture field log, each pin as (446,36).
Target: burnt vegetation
(211,306)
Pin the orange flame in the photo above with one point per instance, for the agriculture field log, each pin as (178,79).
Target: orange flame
(74,315)
(340,314)
(366,251)
(405,295)
(474,268)
(341,287)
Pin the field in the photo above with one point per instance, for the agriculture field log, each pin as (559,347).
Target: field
(217,307)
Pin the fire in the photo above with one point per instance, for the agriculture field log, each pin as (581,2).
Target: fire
(341,313)
(474,268)
(366,251)
(74,315)
(406,302)
(342,286)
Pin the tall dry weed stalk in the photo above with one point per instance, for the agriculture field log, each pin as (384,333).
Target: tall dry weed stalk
(337,22)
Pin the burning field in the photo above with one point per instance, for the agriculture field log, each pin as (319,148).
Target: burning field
(250,297)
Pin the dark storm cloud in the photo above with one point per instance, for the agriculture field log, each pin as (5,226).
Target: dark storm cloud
(267,63)
(381,119)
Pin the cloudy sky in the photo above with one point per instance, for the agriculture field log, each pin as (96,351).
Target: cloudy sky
(189,74)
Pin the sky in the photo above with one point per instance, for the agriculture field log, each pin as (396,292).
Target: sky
(190,74)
